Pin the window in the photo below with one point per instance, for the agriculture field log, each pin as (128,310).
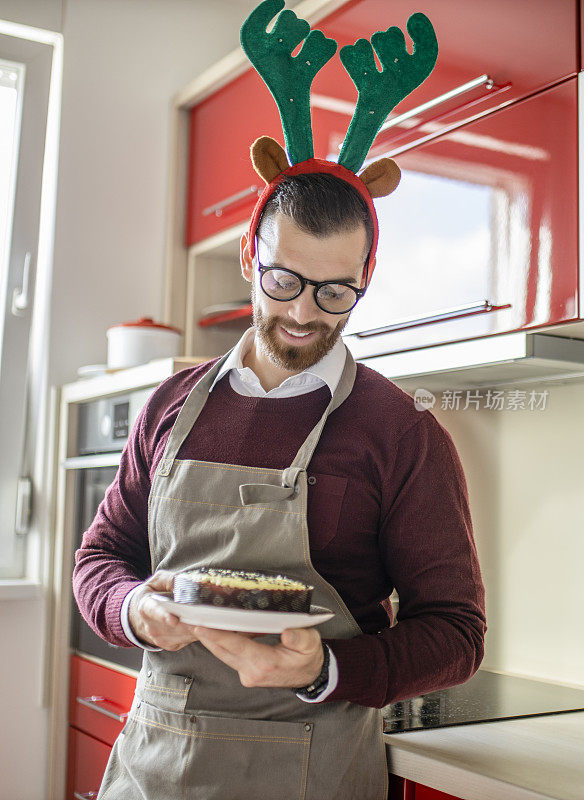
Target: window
(30,84)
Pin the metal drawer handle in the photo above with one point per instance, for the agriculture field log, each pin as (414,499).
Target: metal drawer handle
(482,80)
(217,208)
(449,313)
(93,702)
(84,796)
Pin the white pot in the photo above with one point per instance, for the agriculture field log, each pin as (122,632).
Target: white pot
(132,343)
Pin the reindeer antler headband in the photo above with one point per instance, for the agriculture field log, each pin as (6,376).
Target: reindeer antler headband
(289,79)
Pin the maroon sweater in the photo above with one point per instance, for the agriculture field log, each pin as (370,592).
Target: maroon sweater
(389,508)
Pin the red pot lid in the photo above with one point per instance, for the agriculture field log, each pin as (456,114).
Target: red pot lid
(146,322)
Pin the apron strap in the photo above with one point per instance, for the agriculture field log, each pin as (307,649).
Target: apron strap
(256,493)
(188,415)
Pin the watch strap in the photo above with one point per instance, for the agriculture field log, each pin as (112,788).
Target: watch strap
(318,684)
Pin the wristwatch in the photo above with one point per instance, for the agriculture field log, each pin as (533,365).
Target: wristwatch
(312,691)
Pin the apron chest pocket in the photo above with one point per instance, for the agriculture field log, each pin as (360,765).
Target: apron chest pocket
(325,500)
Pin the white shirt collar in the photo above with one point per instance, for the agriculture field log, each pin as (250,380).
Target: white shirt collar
(328,370)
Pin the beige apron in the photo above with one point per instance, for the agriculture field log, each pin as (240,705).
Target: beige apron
(194,731)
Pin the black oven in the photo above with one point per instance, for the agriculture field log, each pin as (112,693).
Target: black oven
(103,428)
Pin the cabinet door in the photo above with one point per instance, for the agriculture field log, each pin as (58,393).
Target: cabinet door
(484,214)
(222,184)
(521,46)
(99,699)
(508,42)
(87,760)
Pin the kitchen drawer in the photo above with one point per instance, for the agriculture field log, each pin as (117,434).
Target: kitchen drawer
(99,699)
(87,760)
(487,212)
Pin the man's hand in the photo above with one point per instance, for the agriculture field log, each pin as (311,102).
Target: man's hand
(296,661)
(151,623)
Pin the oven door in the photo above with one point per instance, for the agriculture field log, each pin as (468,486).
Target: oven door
(92,482)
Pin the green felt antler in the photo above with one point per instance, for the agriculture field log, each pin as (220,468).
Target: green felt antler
(380,92)
(287,77)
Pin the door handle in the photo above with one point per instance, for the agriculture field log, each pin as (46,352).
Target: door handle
(20,296)
(84,796)
(449,313)
(94,701)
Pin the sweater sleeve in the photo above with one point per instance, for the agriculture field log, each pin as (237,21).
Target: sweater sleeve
(114,556)
(427,547)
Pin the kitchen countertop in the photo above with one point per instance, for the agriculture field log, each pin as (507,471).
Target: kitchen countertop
(533,758)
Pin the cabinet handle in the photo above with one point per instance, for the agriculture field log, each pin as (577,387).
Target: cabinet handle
(217,209)
(449,313)
(84,796)
(93,702)
(482,80)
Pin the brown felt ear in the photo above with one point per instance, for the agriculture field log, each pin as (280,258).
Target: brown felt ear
(381,177)
(268,158)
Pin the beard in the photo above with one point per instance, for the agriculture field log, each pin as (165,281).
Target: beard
(288,356)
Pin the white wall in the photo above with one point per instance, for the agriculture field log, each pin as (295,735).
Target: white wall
(123,61)
(525,474)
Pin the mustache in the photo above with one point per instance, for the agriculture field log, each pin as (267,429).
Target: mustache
(313,328)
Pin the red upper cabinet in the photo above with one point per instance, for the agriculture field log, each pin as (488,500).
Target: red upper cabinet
(222,184)
(486,212)
(522,46)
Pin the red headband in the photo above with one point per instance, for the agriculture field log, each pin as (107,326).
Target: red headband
(313,165)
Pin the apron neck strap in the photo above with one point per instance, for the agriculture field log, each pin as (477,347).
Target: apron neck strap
(197,398)
(253,493)
(343,390)
(188,415)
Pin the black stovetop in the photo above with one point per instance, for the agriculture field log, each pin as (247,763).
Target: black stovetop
(486,697)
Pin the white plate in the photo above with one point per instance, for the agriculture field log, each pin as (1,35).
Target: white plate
(240,619)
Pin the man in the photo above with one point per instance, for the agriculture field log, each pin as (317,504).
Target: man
(284,455)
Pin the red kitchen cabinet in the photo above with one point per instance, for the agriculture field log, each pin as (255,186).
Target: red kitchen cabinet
(99,699)
(87,762)
(486,212)
(222,184)
(400,788)
(404,789)
(522,47)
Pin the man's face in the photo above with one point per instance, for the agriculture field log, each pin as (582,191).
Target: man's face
(295,334)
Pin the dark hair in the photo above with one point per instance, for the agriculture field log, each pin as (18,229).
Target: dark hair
(320,204)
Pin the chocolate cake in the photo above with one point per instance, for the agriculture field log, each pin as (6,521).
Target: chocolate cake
(241,589)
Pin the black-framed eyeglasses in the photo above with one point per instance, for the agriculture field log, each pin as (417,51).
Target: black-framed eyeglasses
(283,285)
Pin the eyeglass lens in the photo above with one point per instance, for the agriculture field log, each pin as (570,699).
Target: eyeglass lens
(333,297)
